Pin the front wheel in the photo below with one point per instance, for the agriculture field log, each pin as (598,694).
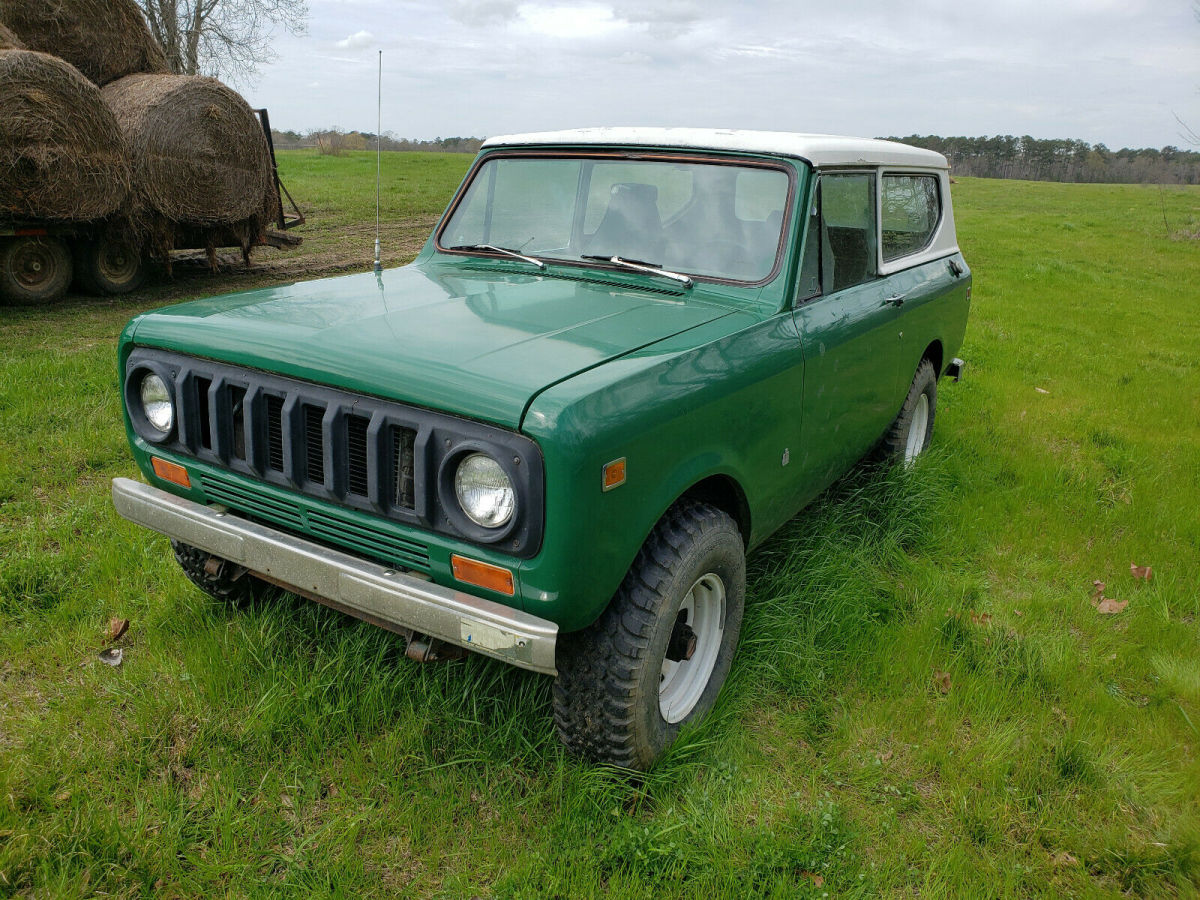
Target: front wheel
(34,270)
(657,657)
(908,436)
(217,577)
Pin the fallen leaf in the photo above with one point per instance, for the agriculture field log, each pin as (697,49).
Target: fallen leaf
(886,756)
(1017,612)
(941,680)
(1064,859)
(1145,573)
(63,797)
(285,801)
(1108,606)
(1041,390)
(1098,589)
(816,879)
(113,656)
(116,629)
(981,618)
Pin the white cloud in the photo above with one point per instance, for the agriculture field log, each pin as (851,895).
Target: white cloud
(860,66)
(357,41)
(570,21)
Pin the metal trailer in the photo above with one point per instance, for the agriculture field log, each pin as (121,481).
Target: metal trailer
(40,260)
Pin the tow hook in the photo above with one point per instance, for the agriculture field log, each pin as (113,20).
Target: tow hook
(424,649)
(215,567)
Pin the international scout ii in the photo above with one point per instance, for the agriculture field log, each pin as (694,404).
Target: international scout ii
(622,360)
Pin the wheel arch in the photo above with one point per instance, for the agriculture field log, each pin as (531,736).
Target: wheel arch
(936,355)
(726,494)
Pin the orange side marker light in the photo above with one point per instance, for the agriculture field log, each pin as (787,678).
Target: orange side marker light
(481,574)
(172,472)
(614,474)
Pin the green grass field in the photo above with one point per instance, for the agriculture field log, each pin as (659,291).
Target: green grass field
(925,701)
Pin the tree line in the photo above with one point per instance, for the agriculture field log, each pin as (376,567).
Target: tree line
(1001,156)
(1031,159)
(334,142)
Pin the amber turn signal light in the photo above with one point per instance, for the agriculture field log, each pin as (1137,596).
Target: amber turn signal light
(614,474)
(172,472)
(481,574)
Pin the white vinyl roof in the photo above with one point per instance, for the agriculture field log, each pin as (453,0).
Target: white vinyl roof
(818,149)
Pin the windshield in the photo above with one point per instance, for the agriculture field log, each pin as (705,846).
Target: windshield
(703,218)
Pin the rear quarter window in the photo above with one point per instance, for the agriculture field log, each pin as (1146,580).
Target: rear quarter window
(910,211)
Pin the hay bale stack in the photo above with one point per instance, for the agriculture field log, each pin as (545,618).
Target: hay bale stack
(198,152)
(103,39)
(8,40)
(62,155)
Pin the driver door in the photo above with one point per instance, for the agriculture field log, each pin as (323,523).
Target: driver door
(849,330)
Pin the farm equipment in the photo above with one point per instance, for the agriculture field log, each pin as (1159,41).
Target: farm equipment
(40,260)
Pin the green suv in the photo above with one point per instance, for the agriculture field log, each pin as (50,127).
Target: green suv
(622,360)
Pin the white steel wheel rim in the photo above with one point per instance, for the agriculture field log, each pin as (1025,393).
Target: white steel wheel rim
(918,429)
(682,683)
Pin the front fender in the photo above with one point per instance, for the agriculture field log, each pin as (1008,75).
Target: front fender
(728,407)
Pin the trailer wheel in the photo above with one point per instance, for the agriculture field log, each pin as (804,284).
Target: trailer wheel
(34,270)
(106,266)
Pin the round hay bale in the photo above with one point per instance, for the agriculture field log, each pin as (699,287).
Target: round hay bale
(62,155)
(8,40)
(198,152)
(103,39)
(199,155)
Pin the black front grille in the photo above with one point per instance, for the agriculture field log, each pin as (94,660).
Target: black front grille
(326,443)
(293,440)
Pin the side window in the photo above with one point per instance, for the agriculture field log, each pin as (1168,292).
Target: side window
(848,244)
(911,210)
(810,268)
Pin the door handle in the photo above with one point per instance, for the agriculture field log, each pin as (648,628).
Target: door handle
(894,300)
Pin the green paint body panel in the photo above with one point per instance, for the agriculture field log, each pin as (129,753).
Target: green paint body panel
(736,383)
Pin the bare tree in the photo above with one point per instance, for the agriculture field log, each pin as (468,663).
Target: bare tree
(225,38)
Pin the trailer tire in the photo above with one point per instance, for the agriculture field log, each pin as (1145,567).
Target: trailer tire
(33,270)
(106,267)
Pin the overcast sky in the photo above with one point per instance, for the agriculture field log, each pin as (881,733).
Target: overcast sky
(1110,71)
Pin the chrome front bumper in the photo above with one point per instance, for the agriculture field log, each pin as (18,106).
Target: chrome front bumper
(368,590)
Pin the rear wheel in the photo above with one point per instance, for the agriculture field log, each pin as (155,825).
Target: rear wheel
(656,659)
(909,434)
(34,270)
(108,266)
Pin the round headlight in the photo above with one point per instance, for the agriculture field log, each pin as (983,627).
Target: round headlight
(484,491)
(156,403)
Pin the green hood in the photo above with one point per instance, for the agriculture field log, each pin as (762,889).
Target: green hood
(476,342)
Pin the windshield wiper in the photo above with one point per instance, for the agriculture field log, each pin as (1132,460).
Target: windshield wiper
(504,250)
(638,265)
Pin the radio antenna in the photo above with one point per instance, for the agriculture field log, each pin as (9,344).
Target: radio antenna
(378,147)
